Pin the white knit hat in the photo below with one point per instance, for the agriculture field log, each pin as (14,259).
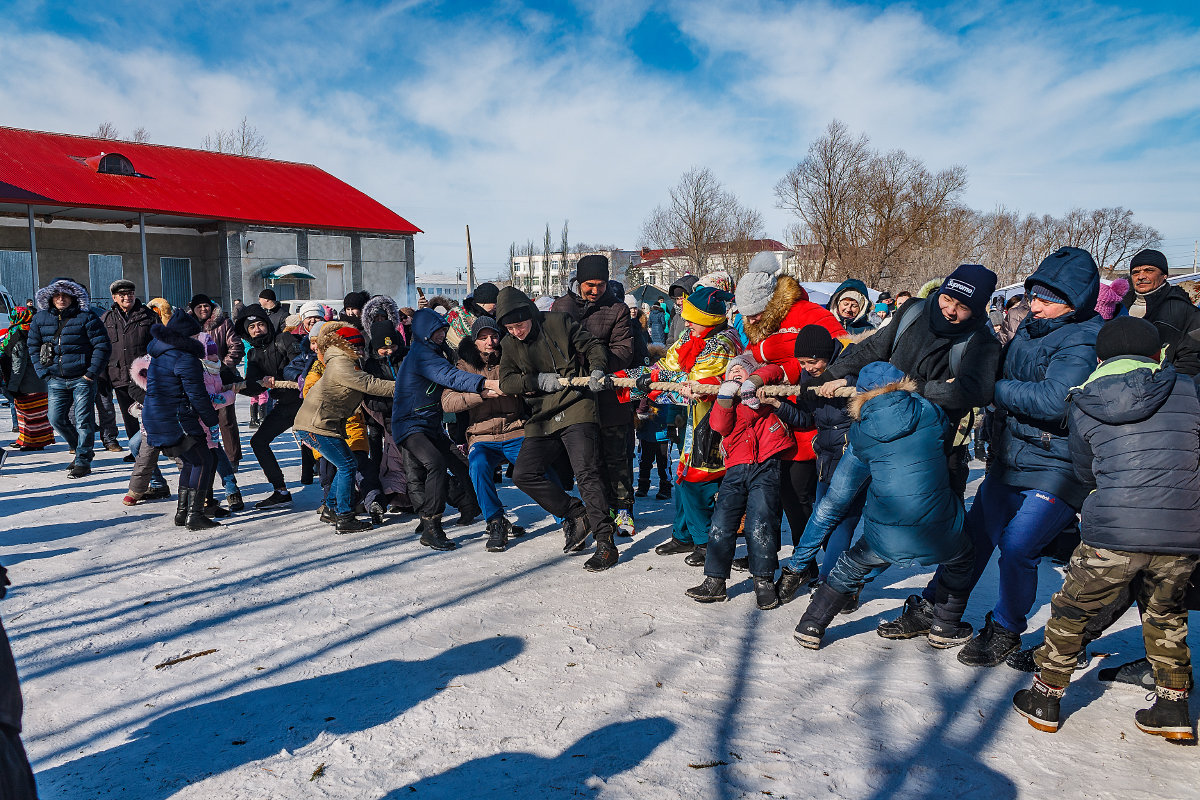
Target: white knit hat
(754,290)
(312,309)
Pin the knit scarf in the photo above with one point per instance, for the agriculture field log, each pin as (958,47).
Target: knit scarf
(18,321)
(690,350)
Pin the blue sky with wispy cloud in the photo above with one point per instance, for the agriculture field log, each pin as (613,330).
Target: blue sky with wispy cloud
(507,115)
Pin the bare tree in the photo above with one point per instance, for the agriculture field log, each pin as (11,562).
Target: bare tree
(1110,234)
(512,264)
(530,253)
(546,244)
(140,135)
(700,216)
(106,130)
(563,270)
(244,140)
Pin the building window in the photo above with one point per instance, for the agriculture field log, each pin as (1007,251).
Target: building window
(102,271)
(176,280)
(16,274)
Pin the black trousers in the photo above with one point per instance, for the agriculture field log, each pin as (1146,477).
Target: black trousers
(106,415)
(618,466)
(427,457)
(275,423)
(581,443)
(799,490)
(654,452)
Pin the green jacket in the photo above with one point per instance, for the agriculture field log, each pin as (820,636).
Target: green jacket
(557,344)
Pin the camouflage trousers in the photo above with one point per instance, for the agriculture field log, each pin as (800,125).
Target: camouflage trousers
(1097,578)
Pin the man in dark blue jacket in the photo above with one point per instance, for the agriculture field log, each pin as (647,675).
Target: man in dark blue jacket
(1031,492)
(417,424)
(1135,441)
(70,348)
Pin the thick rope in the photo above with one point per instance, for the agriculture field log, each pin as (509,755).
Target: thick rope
(776,390)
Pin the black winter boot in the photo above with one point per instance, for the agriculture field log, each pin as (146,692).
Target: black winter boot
(328,515)
(711,591)
(852,604)
(947,628)
(467,514)
(196,521)
(825,604)
(673,547)
(606,552)
(576,531)
(497,535)
(993,644)
(741,564)
(235,501)
(213,508)
(1168,717)
(348,523)
(1137,673)
(916,620)
(764,593)
(790,582)
(697,557)
(181,508)
(513,530)
(433,536)
(276,498)
(376,512)
(1039,705)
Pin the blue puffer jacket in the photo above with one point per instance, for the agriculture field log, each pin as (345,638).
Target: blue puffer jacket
(1045,359)
(658,324)
(81,344)
(1135,440)
(176,398)
(417,404)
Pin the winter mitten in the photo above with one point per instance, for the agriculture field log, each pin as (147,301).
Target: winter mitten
(596,380)
(750,391)
(727,392)
(548,382)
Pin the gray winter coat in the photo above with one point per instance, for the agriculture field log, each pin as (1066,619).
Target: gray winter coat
(1135,443)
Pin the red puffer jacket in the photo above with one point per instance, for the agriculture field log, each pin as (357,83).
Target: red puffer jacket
(751,436)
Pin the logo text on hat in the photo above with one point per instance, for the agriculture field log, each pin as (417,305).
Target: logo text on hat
(962,288)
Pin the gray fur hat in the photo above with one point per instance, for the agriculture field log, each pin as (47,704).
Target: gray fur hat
(754,290)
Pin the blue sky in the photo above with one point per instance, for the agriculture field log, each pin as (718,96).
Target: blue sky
(507,115)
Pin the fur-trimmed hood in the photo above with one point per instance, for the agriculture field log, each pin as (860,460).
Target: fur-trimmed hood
(329,338)
(443,301)
(862,398)
(253,311)
(468,351)
(63,286)
(139,370)
(215,321)
(379,308)
(788,292)
(168,337)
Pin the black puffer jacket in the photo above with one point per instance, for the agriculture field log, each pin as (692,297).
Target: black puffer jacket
(80,343)
(130,336)
(1135,440)
(269,355)
(608,320)
(1178,323)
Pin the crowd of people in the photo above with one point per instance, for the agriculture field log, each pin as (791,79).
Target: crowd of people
(1077,395)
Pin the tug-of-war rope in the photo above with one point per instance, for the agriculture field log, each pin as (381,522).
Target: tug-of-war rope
(774,390)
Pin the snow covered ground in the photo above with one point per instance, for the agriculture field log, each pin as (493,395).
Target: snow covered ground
(367,666)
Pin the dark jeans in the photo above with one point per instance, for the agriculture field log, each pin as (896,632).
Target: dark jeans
(798,483)
(959,464)
(753,490)
(861,564)
(71,412)
(654,452)
(337,453)
(429,456)
(618,472)
(194,466)
(277,421)
(581,444)
(105,412)
(371,486)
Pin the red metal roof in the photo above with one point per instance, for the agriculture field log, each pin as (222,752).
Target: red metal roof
(51,169)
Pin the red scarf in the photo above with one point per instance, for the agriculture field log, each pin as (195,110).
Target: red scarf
(690,350)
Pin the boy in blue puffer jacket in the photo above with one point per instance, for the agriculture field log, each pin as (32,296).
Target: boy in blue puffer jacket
(897,451)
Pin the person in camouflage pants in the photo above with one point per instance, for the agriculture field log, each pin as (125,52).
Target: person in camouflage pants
(1096,578)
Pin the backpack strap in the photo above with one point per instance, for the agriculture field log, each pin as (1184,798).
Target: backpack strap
(903,323)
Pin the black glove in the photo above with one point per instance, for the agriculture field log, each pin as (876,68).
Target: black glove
(643,382)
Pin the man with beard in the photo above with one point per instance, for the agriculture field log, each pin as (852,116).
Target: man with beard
(270,353)
(541,350)
(607,319)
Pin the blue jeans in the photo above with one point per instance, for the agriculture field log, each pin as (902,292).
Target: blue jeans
(753,490)
(482,459)
(839,505)
(12,407)
(337,453)
(694,510)
(861,564)
(1021,522)
(226,470)
(72,413)
(835,542)
(157,481)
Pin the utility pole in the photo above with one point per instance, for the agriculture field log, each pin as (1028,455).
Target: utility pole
(470,263)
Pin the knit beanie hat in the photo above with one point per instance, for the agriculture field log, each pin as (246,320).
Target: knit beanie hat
(876,374)
(198,299)
(754,290)
(312,309)
(315,330)
(706,306)
(484,324)
(355,300)
(351,334)
(1150,258)
(291,321)
(972,285)
(592,268)
(1128,336)
(745,360)
(1043,292)
(1110,295)
(267,294)
(486,293)
(814,341)
(717,280)
(120,285)
(631,301)
(383,333)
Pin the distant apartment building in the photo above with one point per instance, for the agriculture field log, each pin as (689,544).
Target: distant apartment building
(535,276)
(451,286)
(663,267)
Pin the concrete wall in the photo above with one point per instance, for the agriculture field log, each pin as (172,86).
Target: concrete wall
(387,268)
